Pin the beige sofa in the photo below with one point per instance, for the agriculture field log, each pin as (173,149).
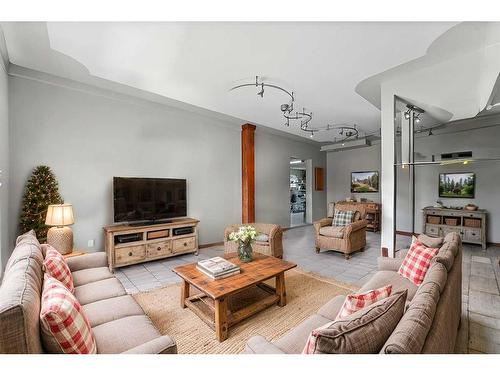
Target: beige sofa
(346,239)
(429,324)
(118,322)
(272,247)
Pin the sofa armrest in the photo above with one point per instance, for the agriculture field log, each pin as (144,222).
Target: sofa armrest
(353,227)
(259,345)
(159,345)
(90,260)
(322,223)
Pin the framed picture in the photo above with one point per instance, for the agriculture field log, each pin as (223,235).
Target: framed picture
(457,185)
(364,182)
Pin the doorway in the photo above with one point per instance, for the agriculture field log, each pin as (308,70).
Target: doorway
(299,197)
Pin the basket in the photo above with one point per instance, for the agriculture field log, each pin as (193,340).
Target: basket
(433,219)
(475,223)
(452,221)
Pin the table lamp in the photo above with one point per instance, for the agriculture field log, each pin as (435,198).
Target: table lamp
(59,235)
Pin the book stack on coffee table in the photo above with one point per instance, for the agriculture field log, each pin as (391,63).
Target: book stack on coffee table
(217,268)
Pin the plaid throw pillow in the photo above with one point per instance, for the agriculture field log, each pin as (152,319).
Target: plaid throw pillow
(355,302)
(342,218)
(65,329)
(416,262)
(56,266)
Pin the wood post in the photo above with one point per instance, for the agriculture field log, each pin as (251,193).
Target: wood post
(280,289)
(221,325)
(247,174)
(184,293)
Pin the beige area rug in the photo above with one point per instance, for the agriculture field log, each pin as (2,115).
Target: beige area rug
(306,293)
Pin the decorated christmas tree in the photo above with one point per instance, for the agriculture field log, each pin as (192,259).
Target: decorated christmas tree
(41,191)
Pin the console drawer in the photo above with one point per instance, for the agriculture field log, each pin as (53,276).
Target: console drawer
(183,244)
(159,249)
(129,254)
(432,230)
(472,235)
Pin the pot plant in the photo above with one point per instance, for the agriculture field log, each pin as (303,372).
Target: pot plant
(244,237)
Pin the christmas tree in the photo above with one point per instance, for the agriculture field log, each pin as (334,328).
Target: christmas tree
(41,191)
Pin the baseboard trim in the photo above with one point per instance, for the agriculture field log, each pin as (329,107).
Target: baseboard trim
(210,245)
(408,234)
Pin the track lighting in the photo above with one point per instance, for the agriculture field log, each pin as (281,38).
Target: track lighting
(407,115)
(312,135)
(430,132)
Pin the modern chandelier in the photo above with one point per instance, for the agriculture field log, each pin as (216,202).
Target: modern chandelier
(345,131)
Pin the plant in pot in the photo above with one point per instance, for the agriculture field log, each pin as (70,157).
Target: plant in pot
(244,237)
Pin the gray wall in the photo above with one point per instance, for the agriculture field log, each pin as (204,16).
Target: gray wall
(4,157)
(87,137)
(342,163)
(482,142)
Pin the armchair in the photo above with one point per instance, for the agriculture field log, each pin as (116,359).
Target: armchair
(272,247)
(346,239)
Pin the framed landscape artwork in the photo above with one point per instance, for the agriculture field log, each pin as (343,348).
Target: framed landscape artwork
(364,182)
(457,185)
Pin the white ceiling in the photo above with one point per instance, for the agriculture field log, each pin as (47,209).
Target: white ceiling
(198,62)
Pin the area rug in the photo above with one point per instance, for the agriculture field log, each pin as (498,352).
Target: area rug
(306,293)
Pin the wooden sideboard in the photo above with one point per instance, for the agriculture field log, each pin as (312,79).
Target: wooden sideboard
(152,242)
(471,225)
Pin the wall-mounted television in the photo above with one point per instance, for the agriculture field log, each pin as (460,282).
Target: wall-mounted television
(364,182)
(457,185)
(138,199)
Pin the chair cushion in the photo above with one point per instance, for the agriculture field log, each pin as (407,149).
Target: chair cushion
(357,301)
(91,275)
(342,218)
(65,329)
(363,332)
(56,266)
(335,232)
(293,342)
(398,283)
(262,237)
(99,290)
(106,310)
(124,334)
(416,262)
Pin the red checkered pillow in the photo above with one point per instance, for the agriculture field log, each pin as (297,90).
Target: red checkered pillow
(355,302)
(56,266)
(416,262)
(65,329)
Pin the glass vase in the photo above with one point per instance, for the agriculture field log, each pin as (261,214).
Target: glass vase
(245,252)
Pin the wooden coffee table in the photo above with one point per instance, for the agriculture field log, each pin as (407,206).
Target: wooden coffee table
(211,304)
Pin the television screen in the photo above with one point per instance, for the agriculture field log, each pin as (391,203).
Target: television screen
(457,185)
(148,199)
(364,182)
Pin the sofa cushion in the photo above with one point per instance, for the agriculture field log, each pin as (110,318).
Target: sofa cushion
(447,253)
(56,266)
(330,231)
(27,246)
(159,345)
(398,283)
(363,332)
(65,328)
(437,274)
(124,334)
(20,296)
(330,309)
(409,335)
(91,275)
(357,301)
(99,290)
(106,310)
(434,242)
(293,342)
(417,262)
(262,237)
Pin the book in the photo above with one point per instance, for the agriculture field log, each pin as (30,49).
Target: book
(221,275)
(217,266)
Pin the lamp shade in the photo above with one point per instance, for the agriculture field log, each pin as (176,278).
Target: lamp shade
(60,215)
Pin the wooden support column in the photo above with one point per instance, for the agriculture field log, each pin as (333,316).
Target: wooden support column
(247,174)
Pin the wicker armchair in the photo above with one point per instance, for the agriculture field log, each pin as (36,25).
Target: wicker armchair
(273,247)
(346,239)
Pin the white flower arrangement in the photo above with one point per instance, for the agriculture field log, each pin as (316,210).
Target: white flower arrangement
(245,234)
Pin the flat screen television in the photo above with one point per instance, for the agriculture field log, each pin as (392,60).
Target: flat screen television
(457,185)
(137,199)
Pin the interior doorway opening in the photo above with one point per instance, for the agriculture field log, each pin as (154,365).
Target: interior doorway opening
(300,192)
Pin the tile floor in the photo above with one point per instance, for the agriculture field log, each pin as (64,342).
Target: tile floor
(480,327)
